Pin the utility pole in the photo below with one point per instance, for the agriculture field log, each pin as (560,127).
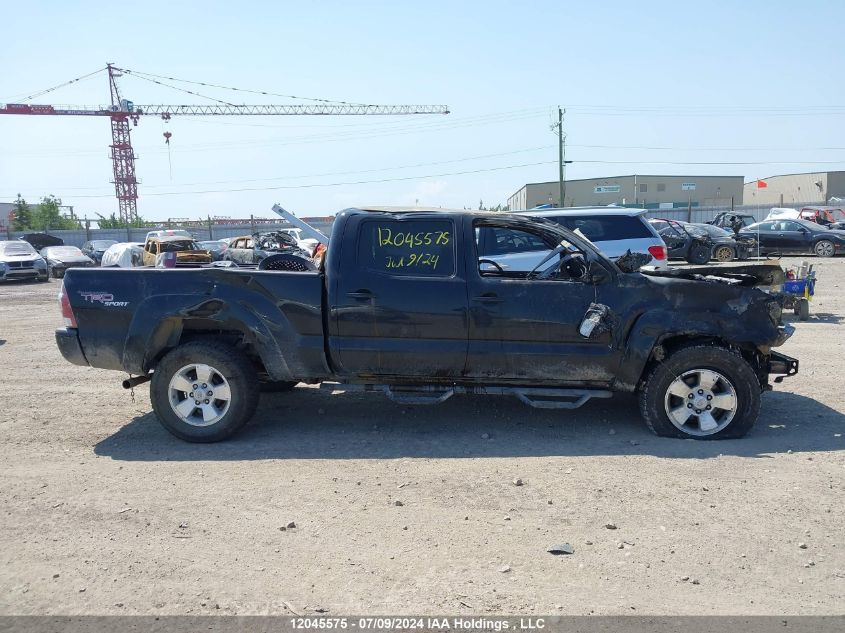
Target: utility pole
(561,186)
(561,154)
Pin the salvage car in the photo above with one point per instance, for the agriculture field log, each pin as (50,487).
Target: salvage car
(253,249)
(95,249)
(731,221)
(124,255)
(60,258)
(406,305)
(40,241)
(684,241)
(795,236)
(188,252)
(18,260)
(217,248)
(728,246)
(830,217)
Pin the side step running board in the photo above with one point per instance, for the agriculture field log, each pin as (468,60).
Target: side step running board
(539,398)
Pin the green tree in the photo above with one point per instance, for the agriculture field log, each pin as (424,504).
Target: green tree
(113,222)
(48,216)
(23,215)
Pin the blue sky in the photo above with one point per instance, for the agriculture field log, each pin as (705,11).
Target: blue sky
(648,86)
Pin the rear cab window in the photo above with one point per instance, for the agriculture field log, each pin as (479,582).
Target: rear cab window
(412,248)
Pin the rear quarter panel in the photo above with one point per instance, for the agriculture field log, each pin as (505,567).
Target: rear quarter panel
(126,317)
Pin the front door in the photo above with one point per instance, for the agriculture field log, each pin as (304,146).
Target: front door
(792,237)
(398,303)
(526,330)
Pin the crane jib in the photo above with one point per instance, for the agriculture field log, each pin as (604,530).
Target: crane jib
(218,110)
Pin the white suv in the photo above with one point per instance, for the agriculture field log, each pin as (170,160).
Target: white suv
(613,230)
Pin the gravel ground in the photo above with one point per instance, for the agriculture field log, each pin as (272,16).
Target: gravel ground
(103,512)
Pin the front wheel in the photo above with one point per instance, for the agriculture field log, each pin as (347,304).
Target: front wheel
(204,391)
(701,392)
(824,248)
(802,309)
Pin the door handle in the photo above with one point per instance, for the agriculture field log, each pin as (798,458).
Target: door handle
(361,294)
(488,298)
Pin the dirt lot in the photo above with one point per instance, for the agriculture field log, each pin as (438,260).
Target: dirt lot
(103,512)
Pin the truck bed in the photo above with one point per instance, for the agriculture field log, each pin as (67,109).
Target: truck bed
(124,317)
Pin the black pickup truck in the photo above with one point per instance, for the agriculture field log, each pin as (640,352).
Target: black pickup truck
(404,305)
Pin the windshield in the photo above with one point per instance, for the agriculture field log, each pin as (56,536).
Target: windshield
(62,251)
(179,245)
(101,245)
(16,248)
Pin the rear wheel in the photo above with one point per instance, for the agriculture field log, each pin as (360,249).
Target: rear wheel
(824,248)
(203,391)
(701,392)
(724,254)
(698,254)
(802,309)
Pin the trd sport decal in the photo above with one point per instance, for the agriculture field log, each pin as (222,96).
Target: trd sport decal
(106,298)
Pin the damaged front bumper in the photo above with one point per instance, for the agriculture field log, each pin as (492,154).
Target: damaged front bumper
(782,366)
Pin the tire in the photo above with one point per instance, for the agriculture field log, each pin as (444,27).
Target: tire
(736,378)
(824,248)
(802,309)
(227,368)
(723,254)
(698,254)
(277,386)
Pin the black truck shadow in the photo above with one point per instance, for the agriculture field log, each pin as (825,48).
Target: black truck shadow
(815,317)
(309,424)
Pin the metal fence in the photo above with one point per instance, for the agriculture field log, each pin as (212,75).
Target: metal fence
(78,237)
(705,214)
(204,231)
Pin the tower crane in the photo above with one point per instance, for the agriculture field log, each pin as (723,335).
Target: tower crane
(122,111)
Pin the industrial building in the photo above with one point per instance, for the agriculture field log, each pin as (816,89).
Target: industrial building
(791,189)
(651,192)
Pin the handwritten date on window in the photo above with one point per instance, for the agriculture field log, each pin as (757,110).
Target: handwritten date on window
(420,249)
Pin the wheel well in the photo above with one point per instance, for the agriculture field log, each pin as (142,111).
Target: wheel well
(175,332)
(668,345)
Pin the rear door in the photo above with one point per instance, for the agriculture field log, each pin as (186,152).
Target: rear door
(765,235)
(399,305)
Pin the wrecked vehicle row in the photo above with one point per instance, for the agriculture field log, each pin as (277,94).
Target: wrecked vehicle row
(408,305)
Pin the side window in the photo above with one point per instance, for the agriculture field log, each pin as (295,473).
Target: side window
(494,240)
(670,231)
(248,243)
(767,226)
(418,248)
(790,226)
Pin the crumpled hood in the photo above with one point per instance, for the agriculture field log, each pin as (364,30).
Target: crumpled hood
(769,276)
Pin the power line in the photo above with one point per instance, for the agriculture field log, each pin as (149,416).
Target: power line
(455,173)
(333,184)
(385,131)
(324,174)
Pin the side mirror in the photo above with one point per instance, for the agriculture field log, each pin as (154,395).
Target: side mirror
(598,273)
